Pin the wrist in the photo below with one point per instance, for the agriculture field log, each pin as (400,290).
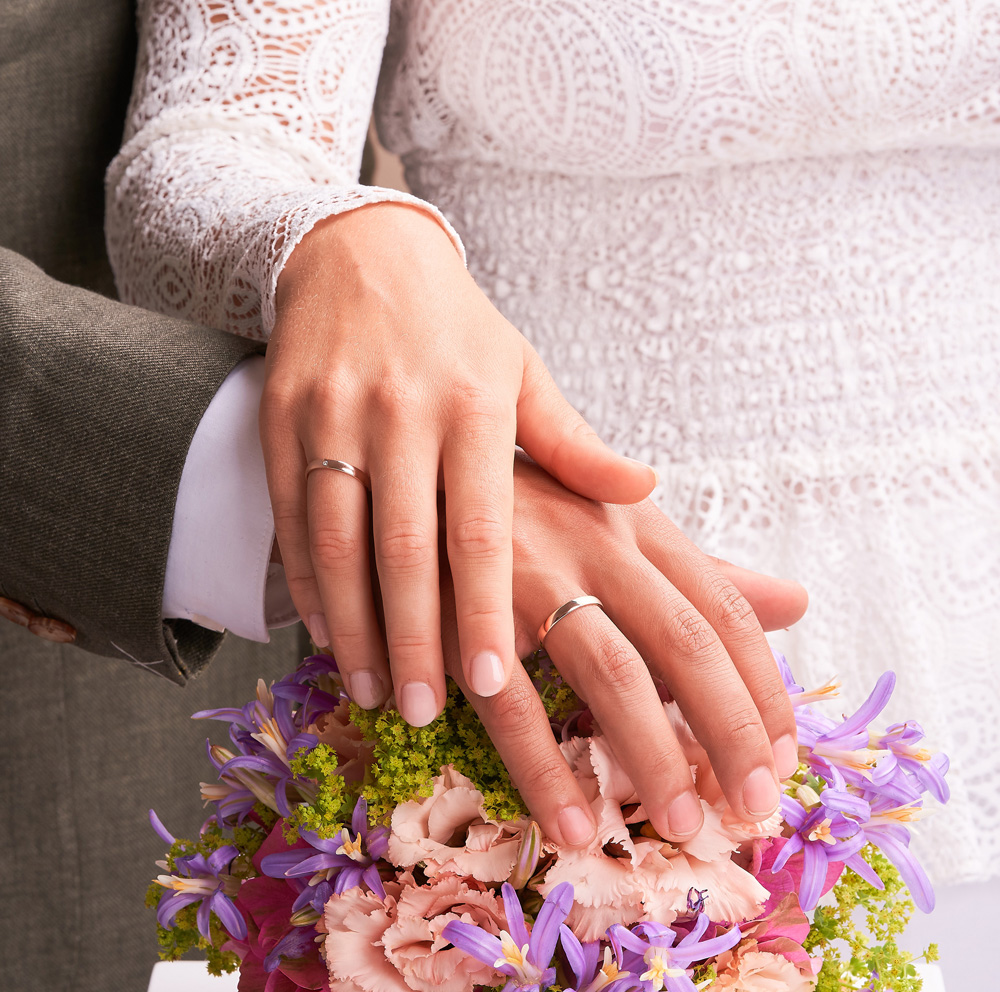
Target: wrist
(364,248)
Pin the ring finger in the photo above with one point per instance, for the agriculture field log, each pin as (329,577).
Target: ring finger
(605,669)
(337,512)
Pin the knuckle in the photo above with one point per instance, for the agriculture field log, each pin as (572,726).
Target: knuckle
(773,700)
(667,765)
(691,634)
(415,644)
(478,536)
(617,666)
(333,546)
(395,395)
(279,403)
(404,547)
(736,617)
(513,707)
(742,732)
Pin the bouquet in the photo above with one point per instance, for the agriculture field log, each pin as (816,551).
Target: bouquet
(349,851)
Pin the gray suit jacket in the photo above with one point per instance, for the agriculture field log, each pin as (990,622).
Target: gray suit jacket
(98,403)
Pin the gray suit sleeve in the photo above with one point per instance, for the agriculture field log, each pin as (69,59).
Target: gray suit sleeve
(98,405)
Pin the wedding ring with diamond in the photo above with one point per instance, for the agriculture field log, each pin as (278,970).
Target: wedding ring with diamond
(338,466)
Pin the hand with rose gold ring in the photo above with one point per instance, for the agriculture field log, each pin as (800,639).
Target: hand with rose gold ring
(672,617)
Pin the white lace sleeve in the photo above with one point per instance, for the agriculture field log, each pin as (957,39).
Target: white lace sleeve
(246,128)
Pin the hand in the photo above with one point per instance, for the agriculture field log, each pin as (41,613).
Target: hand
(694,622)
(386,355)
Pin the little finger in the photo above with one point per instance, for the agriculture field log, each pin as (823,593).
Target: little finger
(681,646)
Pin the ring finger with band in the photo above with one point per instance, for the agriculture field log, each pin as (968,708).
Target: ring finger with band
(337,514)
(604,669)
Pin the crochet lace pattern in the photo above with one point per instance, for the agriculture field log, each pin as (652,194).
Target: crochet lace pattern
(756,242)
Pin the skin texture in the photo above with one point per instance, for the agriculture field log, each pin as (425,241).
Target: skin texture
(387,356)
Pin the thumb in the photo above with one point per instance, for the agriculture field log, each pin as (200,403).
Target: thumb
(568,448)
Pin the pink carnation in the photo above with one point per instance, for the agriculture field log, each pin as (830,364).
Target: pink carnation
(748,969)
(396,945)
(625,879)
(449,831)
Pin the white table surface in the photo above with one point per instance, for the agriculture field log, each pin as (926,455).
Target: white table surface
(192,976)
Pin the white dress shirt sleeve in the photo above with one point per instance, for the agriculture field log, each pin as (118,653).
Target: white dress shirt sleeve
(219,573)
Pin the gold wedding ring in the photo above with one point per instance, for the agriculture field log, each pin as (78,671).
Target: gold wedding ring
(338,466)
(564,611)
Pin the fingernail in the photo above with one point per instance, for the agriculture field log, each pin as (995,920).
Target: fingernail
(684,815)
(656,475)
(366,688)
(575,826)
(486,673)
(760,792)
(418,704)
(318,630)
(786,756)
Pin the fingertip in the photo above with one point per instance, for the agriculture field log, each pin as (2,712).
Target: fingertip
(418,704)
(577,827)
(486,673)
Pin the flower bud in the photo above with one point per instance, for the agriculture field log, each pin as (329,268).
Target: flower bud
(527,857)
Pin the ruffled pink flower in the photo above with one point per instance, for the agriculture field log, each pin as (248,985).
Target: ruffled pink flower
(396,945)
(625,879)
(749,969)
(449,831)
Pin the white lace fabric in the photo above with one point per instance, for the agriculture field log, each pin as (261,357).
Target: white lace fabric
(756,242)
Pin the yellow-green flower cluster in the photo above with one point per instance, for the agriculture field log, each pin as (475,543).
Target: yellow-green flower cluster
(868,956)
(406,759)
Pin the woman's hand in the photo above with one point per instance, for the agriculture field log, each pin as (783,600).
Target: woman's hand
(692,621)
(386,355)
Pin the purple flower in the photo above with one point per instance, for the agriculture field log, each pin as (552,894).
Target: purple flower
(334,864)
(267,738)
(840,752)
(928,768)
(826,834)
(590,974)
(884,828)
(648,950)
(200,880)
(524,958)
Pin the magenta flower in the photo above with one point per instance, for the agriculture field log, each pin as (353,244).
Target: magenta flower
(526,959)
(648,950)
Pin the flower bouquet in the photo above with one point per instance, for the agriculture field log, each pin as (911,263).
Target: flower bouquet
(349,851)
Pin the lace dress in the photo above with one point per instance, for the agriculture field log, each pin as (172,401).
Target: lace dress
(757,242)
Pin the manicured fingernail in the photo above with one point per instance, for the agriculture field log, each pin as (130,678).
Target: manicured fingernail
(418,704)
(760,792)
(318,630)
(366,688)
(575,826)
(486,673)
(684,815)
(786,756)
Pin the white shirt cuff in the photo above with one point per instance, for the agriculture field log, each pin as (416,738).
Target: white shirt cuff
(219,573)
